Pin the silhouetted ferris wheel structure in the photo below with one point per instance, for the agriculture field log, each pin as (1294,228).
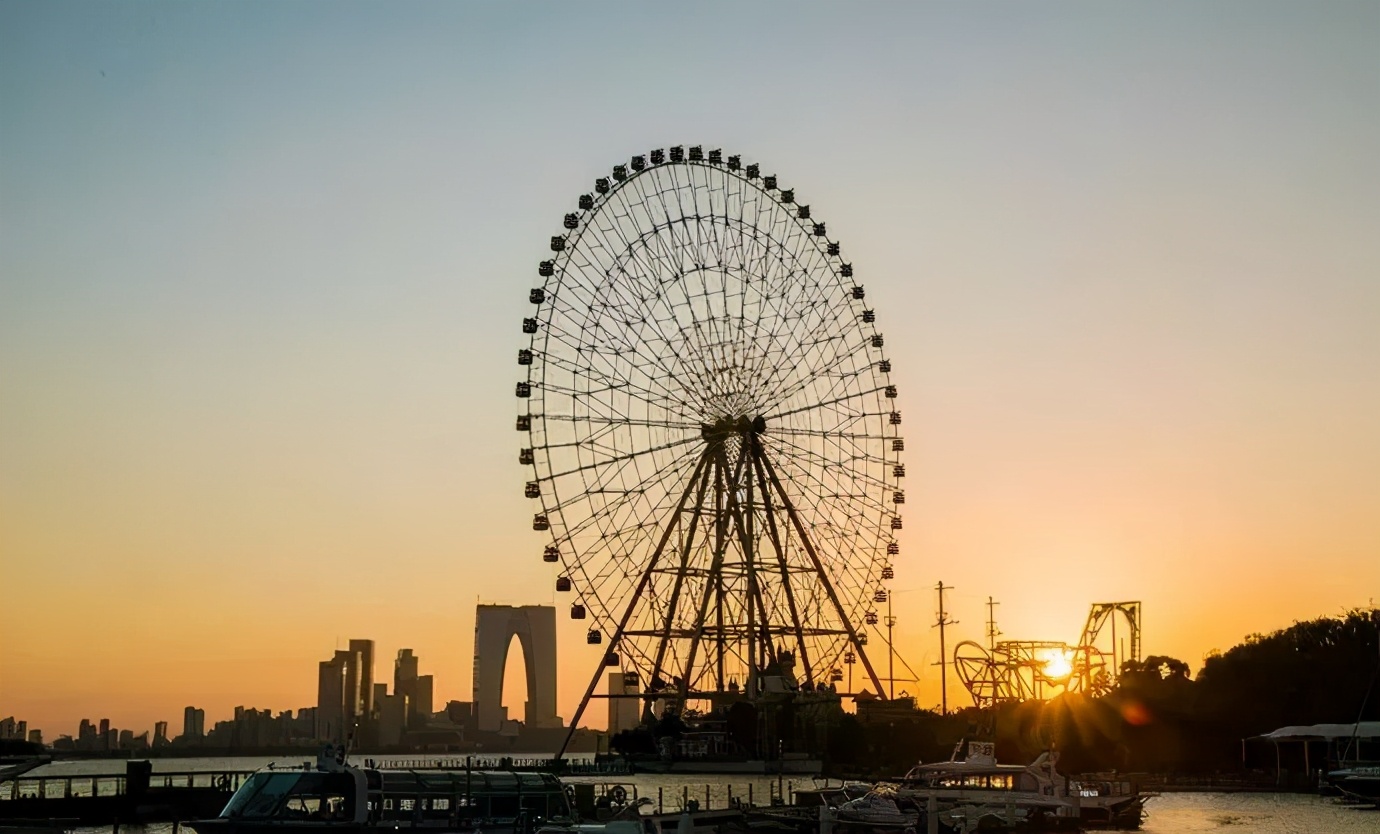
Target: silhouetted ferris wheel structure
(712,434)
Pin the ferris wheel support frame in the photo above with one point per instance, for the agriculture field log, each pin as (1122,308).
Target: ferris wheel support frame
(627,613)
(714,457)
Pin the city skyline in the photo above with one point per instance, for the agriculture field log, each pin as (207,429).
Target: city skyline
(262,270)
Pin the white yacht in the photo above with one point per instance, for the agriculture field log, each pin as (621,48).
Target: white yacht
(1035,795)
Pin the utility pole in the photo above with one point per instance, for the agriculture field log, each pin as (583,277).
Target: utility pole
(992,624)
(943,658)
(891,653)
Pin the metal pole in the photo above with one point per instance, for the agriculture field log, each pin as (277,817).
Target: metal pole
(890,652)
(991,624)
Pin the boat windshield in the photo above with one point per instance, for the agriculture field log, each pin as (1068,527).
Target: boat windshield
(296,795)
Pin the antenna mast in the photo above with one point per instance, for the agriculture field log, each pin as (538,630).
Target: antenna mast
(943,621)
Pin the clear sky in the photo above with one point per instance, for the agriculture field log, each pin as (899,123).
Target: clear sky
(262,267)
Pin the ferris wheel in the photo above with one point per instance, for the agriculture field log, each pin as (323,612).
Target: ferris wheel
(710,430)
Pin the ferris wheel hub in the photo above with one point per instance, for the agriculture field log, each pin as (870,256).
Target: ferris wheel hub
(733,427)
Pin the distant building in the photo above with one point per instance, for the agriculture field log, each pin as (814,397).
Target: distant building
(624,713)
(391,711)
(160,733)
(416,689)
(359,682)
(330,698)
(193,723)
(345,692)
(35,736)
(494,629)
(461,714)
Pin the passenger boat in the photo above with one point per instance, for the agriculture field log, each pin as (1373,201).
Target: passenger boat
(335,797)
(1031,796)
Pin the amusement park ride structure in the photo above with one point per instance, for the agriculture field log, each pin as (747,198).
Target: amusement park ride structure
(711,435)
(1018,670)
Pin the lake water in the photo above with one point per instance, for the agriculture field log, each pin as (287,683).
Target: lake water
(1178,813)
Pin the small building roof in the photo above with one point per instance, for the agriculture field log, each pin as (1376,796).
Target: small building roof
(1325,732)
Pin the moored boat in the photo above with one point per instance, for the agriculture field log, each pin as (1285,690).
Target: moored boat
(1030,796)
(1360,784)
(339,798)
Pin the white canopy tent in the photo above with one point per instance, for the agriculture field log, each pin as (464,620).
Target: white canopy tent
(1331,733)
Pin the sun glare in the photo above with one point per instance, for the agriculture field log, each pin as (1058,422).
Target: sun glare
(1057,665)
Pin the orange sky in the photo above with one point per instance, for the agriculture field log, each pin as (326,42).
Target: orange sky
(259,301)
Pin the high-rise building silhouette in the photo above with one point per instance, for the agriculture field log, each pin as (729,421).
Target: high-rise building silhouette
(193,723)
(345,692)
(330,698)
(623,712)
(415,689)
(360,693)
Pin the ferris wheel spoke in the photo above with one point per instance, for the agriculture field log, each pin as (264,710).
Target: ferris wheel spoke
(792,432)
(810,373)
(630,252)
(639,488)
(622,421)
(613,365)
(639,302)
(828,462)
(835,401)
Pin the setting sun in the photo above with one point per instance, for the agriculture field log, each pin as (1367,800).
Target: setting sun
(1057,665)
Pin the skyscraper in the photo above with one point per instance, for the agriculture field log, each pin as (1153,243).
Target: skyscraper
(361,707)
(416,689)
(193,723)
(345,692)
(330,698)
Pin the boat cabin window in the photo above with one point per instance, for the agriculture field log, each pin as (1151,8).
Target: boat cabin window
(301,795)
(447,796)
(998,781)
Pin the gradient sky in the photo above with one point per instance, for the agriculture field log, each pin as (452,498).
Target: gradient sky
(262,267)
